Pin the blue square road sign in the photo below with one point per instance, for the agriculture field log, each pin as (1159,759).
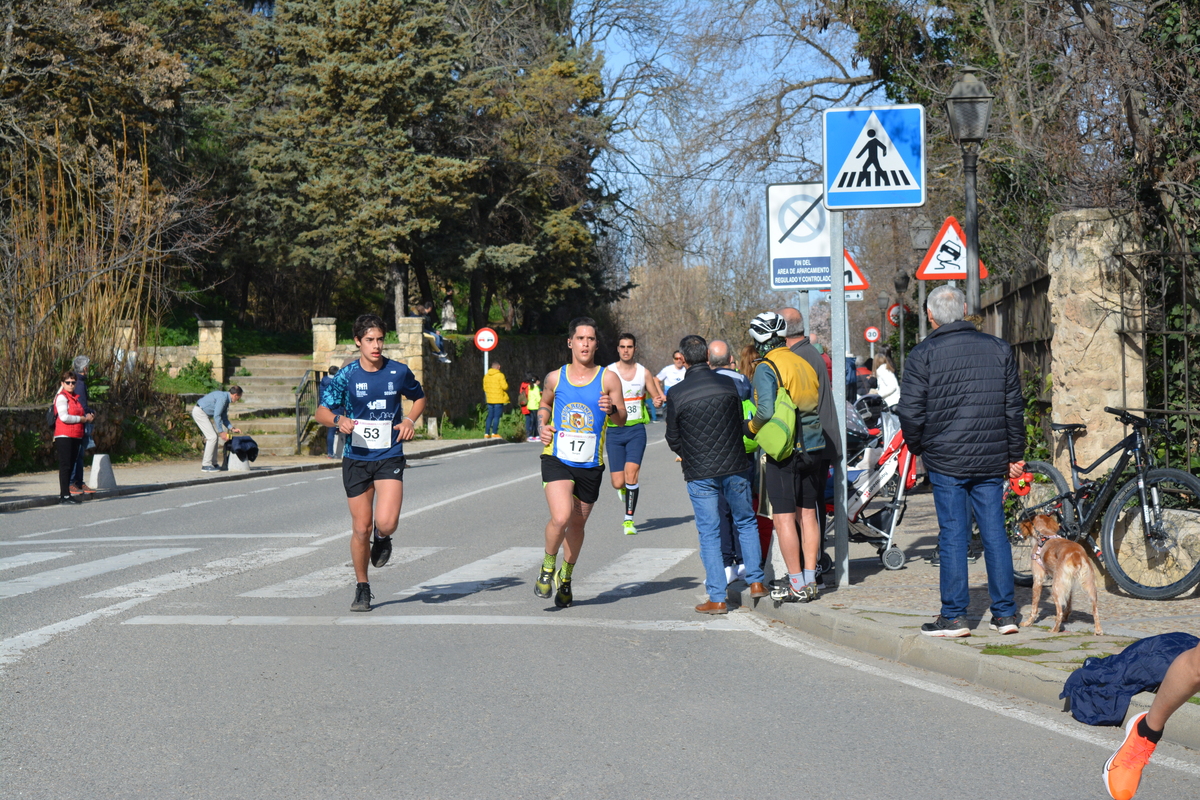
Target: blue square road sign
(874,157)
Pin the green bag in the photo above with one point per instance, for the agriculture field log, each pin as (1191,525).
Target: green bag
(777,437)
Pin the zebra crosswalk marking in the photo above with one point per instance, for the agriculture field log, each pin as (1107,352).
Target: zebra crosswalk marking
(481,574)
(89,569)
(221,568)
(25,559)
(324,581)
(636,568)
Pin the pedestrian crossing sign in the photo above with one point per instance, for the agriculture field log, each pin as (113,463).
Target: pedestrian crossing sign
(874,157)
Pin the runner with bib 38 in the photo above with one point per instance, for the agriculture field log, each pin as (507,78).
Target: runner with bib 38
(626,444)
(577,399)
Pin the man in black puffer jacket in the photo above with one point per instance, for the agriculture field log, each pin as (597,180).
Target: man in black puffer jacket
(704,426)
(961,410)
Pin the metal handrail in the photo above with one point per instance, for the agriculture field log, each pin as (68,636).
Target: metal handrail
(306,405)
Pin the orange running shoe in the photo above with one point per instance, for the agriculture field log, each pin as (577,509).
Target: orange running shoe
(1123,770)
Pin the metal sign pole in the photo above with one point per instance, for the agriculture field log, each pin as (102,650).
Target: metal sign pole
(485,362)
(837,333)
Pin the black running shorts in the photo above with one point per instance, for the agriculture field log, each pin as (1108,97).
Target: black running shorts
(358,476)
(587,480)
(791,485)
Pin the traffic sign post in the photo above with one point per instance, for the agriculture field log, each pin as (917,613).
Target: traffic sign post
(874,157)
(486,340)
(797,237)
(947,256)
(838,344)
(872,336)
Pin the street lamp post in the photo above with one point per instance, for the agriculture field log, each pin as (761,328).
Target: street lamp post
(969,107)
(901,284)
(883,302)
(920,230)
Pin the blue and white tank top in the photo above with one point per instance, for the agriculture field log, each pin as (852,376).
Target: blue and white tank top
(578,421)
(372,400)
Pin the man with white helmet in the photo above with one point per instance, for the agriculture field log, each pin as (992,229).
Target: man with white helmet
(795,481)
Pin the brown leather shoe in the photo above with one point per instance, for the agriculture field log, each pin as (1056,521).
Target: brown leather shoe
(712,608)
(757,590)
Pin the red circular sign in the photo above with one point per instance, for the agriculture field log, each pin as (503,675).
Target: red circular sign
(872,334)
(486,339)
(893,314)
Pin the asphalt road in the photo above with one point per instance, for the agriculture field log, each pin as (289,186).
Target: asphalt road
(198,643)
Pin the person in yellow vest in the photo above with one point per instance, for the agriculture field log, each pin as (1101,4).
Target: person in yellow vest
(796,481)
(495,390)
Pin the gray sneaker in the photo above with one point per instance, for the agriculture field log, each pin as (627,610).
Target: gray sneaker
(947,628)
(362,598)
(1004,625)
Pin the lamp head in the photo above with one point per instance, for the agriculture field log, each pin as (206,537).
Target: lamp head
(883,301)
(969,107)
(901,283)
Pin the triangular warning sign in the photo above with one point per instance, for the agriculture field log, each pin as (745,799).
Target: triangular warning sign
(947,258)
(873,164)
(855,280)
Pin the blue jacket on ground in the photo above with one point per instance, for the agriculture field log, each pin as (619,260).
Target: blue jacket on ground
(1101,689)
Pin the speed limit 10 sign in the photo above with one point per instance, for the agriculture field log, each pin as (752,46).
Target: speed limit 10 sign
(871,334)
(486,339)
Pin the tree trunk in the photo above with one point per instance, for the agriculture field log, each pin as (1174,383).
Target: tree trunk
(475,295)
(398,277)
(422,276)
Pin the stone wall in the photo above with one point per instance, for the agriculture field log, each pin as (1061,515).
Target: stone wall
(1090,357)
(171,359)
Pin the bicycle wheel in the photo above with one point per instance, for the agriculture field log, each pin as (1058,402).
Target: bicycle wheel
(1162,560)
(1048,484)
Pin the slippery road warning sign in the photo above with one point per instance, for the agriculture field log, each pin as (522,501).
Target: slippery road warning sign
(874,157)
(947,258)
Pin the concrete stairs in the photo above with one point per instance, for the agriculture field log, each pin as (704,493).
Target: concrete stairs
(268,408)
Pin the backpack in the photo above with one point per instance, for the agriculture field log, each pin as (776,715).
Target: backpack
(51,415)
(777,437)
(523,396)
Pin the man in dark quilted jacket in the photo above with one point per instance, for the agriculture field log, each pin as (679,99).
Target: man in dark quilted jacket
(961,410)
(704,426)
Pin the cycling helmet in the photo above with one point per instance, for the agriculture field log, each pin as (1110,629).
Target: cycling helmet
(767,331)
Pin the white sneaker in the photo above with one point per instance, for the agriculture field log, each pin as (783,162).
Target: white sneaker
(741,570)
(729,574)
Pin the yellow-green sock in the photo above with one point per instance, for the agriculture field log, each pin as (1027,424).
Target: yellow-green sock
(564,573)
(548,561)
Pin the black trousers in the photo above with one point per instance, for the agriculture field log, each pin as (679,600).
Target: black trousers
(67,450)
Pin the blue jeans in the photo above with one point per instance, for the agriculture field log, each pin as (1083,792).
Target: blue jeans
(531,424)
(955,499)
(493,418)
(705,495)
(731,546)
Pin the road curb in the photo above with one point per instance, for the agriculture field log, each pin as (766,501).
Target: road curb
(143,488)
(1010,675)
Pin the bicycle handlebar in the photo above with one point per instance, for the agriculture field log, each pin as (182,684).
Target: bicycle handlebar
(1141,422)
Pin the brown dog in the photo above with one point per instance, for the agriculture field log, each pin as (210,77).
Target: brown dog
(1064,561)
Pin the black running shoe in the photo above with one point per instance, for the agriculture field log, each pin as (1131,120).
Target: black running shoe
(381,550)
(562,597)
(1004,625)
(947,628)
(362,598)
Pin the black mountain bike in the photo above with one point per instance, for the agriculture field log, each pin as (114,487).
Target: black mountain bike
(1150,533)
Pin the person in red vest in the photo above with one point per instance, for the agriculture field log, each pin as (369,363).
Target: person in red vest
(70,418)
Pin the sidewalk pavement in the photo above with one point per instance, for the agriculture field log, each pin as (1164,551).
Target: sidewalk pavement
(880,612)
(36,489)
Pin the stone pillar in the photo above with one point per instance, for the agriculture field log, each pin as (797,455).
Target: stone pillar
(212,347)
(410,348)
(324,342)
(1093,363)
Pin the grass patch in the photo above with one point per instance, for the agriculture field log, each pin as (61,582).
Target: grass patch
(1195,700)
(195,378)
(1011,650)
